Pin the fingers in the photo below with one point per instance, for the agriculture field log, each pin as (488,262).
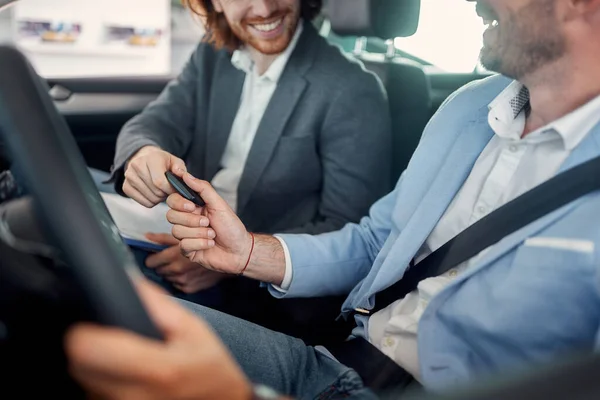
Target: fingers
(122,354)
(172,319)
(136,195)
(206,191)
(156,168)
(145,176)
(113,352)
(190,246)
(162,238)
(177,166)
(186,288)
(118,364)
(177,202)
(133,179)
(164,257)
(150,173)
(184,232)
(178,279)
(199,279)
(99,386)
(179,267)
(184,218)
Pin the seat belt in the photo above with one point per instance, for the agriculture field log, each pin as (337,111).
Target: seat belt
(514,215)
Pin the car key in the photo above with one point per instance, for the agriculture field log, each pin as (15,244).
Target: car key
(184,190)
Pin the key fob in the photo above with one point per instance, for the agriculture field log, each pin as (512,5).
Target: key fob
(184,190)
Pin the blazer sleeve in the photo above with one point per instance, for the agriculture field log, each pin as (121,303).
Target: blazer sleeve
(355,148)
(333,263)
(168,122)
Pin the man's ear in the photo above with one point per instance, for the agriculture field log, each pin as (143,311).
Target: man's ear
(217,5)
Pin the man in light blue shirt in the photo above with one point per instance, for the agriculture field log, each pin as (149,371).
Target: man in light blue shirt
(531,298)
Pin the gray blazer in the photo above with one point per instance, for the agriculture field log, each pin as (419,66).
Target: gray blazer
(321,155)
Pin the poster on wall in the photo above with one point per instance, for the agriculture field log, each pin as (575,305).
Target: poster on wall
(45,31)
(131,36)
(73,38)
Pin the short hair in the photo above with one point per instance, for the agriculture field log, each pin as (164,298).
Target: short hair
(219,34)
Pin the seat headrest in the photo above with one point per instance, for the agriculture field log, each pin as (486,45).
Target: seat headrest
(4,3)
(385,19)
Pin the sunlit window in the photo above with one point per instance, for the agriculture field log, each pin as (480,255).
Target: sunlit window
(449,35)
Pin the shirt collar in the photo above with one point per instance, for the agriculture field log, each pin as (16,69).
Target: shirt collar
(242,60)
(575,126)
(507,115)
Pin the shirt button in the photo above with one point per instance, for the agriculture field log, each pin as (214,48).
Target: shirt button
(389,342)
(453,273)
(481,209)
(513,148)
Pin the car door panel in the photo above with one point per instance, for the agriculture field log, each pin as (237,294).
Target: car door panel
(96,108)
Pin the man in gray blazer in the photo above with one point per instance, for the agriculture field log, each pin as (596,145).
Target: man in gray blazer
(294,135)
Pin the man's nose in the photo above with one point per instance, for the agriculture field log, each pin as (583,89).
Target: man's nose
(264,8)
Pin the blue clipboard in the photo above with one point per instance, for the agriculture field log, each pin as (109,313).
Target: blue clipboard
(144,245)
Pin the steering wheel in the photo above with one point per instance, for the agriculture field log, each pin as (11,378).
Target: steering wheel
(71,211)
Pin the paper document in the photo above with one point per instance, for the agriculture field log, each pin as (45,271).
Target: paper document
(134,220)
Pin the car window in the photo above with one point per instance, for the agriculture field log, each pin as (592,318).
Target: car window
(448,39)
(449,35)
(88,38)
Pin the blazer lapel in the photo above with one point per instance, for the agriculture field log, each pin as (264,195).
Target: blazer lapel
(587,149)
(224,106)
(459,162)
(289,90)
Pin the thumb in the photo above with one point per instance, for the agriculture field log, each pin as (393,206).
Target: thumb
(206,191)
(176,165)
(162,238)
(171,318)
(167,314)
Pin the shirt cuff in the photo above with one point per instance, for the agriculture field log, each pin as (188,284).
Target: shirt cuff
(287,277)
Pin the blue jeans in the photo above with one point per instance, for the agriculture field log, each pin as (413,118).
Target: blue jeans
(282,362)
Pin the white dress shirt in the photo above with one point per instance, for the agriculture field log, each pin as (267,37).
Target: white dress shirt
(256,95)
(508,166)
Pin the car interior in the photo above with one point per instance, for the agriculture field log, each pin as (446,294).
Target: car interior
(50,130)
(96,108)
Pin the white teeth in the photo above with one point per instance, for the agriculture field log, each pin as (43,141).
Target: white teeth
(495,23)
(268,27)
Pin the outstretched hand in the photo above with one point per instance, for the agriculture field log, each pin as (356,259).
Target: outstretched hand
(213,235)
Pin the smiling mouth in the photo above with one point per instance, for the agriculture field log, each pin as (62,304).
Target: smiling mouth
(268,27)
(491,23)
(488,14)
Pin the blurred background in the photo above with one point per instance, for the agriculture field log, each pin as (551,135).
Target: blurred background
(86,38)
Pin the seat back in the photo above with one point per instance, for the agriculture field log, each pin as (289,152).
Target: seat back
(405,81)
